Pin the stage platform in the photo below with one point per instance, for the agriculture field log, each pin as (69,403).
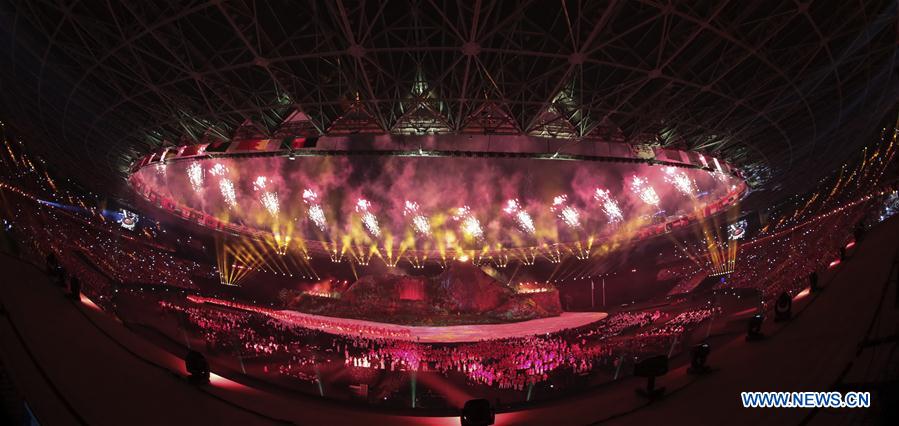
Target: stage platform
(424,334)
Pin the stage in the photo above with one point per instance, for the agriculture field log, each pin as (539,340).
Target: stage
(424,334)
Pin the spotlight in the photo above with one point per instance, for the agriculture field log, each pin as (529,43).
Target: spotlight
(699,355)
(478,412)
(754,331)
(651,368)
(197,367)
(783,308)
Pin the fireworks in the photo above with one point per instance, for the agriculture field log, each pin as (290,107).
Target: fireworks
(720,176)
(227,188)
(260,183)
(609,206)
(268,199)
(470,226)
(640,186)
(368,219)
(225,184)
(218,170)
(681,181)
(291,197)
(522,217)
(270,202)
(420,223)
(195,175)
(566,213)
(315,212)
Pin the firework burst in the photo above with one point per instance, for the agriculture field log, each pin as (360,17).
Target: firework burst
(218,170)
(420,223)
(566,213)
(260,183)
(270,202)
(368,219)
(681,181)
(720,176)
(609,205)
(195,176)
(315,212)
(269,199)
(641,187)
(227,188)
(524,220)
(470,225)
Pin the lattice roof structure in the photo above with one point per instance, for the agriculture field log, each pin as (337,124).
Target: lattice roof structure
(776,86)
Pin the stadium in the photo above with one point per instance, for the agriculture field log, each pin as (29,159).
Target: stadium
(483,212)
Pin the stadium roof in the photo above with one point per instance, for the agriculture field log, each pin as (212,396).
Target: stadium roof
(785,89)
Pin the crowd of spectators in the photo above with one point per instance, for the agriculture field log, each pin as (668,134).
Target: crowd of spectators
(293,351)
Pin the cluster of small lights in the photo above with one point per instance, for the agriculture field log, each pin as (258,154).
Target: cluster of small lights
(533,288)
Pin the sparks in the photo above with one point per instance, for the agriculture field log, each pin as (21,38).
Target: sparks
(218,170)
(420,223)
(471,227)
(525,222)
(227,188)
(195,175)
(641,187)
(270,201)
(681,181)
(609,206)
(315,212)
(720,176)
(260,183)
(368,219)
(566,213)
